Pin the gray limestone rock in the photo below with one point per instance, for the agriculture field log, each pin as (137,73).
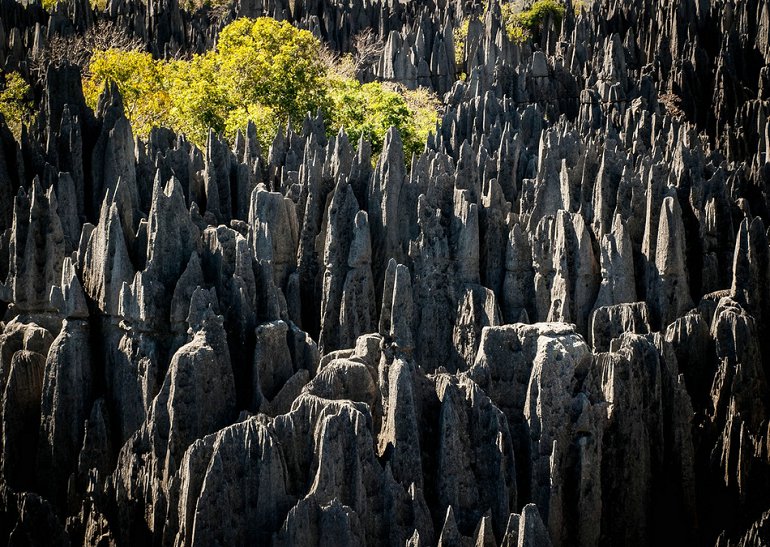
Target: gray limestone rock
(383,205)
(399,440)
(476,309)
(671,289)
(67,395)
(197,398)
(618,284)
(532,532)
(357,311)
(340,228)
(36,249)
(212,474)
(547,409)
(68,297)
(107,261)
(566,270)
(519,288)
(329,344)
(272,361)
(21,418)
(609,322)
(171,234)
(272,215)
(472,472)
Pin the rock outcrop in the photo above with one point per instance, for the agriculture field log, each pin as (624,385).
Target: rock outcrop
(543,328)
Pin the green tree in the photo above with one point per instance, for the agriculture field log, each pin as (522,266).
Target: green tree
(523,24)
(271,63)
(370,109)
(15,105)
(459,36)
(264,71)
(140,80)
(198,100)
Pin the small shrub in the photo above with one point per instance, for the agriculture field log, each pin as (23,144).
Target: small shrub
(522,25)
(532,18)
(459,36)
(96,5)
(424,106)
(78,49)
(15,105)
(368,48)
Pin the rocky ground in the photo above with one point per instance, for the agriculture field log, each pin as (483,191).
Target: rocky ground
(545,330)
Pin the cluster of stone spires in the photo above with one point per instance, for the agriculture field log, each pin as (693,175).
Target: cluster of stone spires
(543,329)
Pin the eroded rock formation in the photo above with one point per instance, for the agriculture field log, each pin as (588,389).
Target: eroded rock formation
(547,328)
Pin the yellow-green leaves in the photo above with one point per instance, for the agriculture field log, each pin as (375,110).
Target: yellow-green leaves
(459,36)
(140,80)
(264,71)
(370,109)
(265,120)
(15,104)
(198,98)
(523,24)
(273,64)
(98,5)
(540,10)
(424,106)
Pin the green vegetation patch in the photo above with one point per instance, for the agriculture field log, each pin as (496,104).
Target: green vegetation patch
(15,103)
(459,37)
(524,24)
(264,71)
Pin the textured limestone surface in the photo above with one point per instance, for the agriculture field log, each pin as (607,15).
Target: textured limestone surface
(547,328)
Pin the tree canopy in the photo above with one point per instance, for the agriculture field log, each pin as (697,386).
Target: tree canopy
(264,71)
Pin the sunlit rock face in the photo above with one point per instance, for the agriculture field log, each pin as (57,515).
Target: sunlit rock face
(546,327)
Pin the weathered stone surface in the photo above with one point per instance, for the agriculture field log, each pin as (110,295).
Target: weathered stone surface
(21,418)
(609,322)
(671,289)
(275,232)
(36,249)
(211,476)
(400,436)
(187,343)
(107,260)
(67,396)
(197,398)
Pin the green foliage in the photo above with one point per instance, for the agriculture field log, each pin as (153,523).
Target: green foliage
(140,80)
(540,10)
(15,105)
(517,34)
(370,109)
(578,6)
(217,6)
(265,120)
(521,25)
(424,107)
(271,63)
(262,71)
(459,36)
(98,5)
(197,99)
